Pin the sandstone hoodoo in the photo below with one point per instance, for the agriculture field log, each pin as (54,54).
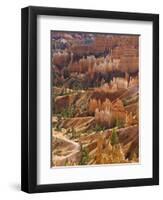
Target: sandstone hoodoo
(95,98)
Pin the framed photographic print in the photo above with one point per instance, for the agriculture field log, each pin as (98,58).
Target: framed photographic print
(90,99)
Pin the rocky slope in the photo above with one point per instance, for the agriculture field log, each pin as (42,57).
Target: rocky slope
(95,99)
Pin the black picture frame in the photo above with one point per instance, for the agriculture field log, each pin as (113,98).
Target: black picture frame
(29,99)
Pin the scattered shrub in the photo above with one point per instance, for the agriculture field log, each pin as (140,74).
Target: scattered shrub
(114,137)
(67,112)
(85,156)
(119,123)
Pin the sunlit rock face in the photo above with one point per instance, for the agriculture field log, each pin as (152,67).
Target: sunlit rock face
(99,146)
(79,124)
(108,64)
(95,98)
(65,151)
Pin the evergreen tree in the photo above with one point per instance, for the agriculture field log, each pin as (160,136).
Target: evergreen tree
(114,137)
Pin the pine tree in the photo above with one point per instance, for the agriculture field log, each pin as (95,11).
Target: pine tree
(114,137)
